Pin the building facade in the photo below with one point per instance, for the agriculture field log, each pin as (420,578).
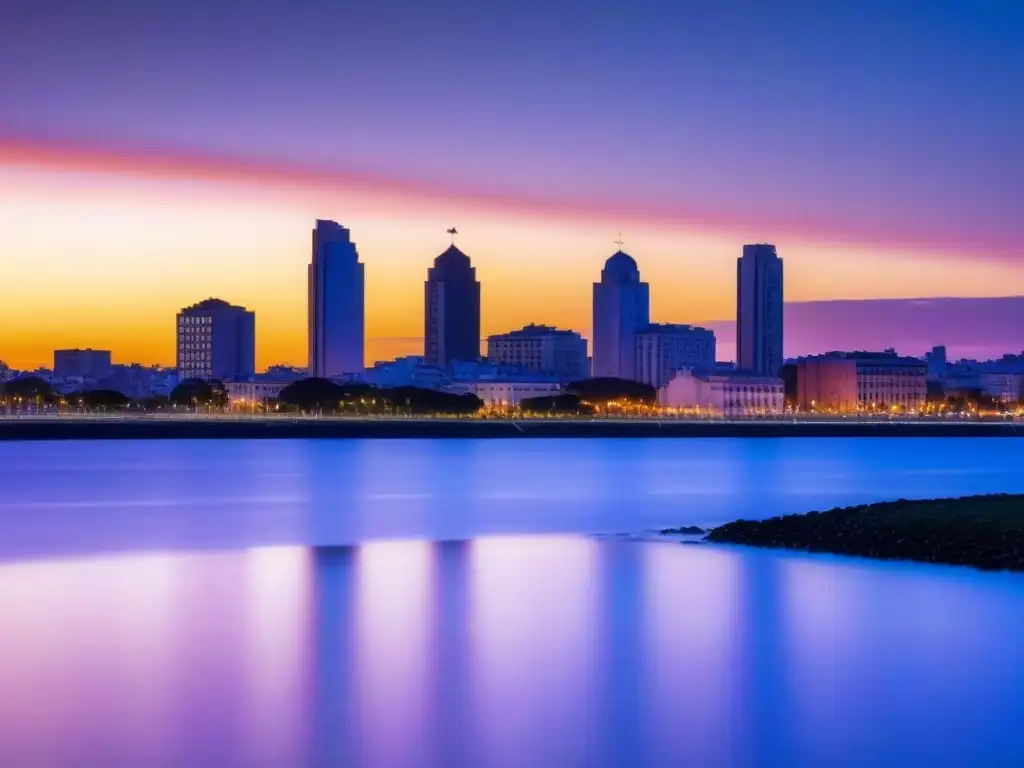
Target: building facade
(736,393)
(253,390)
(543,349)
(84,363)
(759,309)
(336,311)
(216,340)
(512,393)
(621,307)
(664,349)
(452,310)
(848,382)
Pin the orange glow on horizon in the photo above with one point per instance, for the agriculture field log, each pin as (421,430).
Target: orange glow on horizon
(101,250)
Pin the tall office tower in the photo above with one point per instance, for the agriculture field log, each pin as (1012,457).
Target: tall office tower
(759,300)
(622,306)
(216,340)
(452,310)
(337,319)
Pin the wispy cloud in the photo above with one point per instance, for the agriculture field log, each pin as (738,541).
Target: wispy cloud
(178,162)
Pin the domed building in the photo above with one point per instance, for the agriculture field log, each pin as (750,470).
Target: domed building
(452,310)
(622,307)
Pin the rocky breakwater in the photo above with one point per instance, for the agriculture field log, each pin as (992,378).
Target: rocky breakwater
(986,532)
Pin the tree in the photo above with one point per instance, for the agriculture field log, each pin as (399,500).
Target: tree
(560,404)
(200,392)
(426,401)
(103,398)
(936,393)
(604,390)
(154,402)
(29,388)
(789,376)
(312,394)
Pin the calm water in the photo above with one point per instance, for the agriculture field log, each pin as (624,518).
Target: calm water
(247,603)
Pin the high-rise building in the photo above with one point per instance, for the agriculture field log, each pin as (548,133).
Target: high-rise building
(216,340)
(622,306)
(452,310)
(86,363)
(663,349)
(759,301)
(542,349)
(337,320)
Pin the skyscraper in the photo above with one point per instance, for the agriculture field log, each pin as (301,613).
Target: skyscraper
(759,298)
(622,306)
(336,297)
(452,310)
(216,340)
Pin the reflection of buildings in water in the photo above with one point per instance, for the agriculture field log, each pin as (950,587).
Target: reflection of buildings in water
(450,656)
(331,673)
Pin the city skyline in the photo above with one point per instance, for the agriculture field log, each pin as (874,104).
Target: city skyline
(874,181)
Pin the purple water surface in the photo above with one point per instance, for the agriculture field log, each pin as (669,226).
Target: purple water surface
(240,604)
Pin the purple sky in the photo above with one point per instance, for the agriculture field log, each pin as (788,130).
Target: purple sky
(881,114)
(973,328)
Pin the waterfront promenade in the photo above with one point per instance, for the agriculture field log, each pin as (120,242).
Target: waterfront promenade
(201,426)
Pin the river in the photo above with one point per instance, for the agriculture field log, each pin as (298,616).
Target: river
(430,603)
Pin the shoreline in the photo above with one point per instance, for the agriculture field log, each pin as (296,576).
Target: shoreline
(199,428)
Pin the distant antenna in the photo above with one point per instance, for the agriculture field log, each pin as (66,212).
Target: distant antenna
(453,232)
(619,241)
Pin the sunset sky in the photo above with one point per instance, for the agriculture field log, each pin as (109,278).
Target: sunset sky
(154,156)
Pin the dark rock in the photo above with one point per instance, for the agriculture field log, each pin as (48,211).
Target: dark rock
(986,532)
(686,529)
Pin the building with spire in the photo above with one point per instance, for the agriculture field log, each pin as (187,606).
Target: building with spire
(451,309)
(759,303)
(621,307)
(336,303)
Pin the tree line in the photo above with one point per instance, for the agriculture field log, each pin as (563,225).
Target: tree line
(325,396)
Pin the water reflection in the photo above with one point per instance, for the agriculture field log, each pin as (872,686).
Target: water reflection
(508,652)
(62,499)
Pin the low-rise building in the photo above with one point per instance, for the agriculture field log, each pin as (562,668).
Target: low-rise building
(542,349)
(847,382)
(253,390)
(512,393)
(82,363)
(663,349)
(410,371)
(733,393)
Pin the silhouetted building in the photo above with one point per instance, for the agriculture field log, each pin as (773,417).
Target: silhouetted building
(543,349)
(336,323)
(452,310)
(937,363)
(216,340)
(86,363)
(663,349)
(622,306)
(759,299)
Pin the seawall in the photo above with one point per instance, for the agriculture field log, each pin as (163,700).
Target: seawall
(79,428)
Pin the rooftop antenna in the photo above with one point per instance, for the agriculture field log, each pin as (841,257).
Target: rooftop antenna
(619,242)
(453,232)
